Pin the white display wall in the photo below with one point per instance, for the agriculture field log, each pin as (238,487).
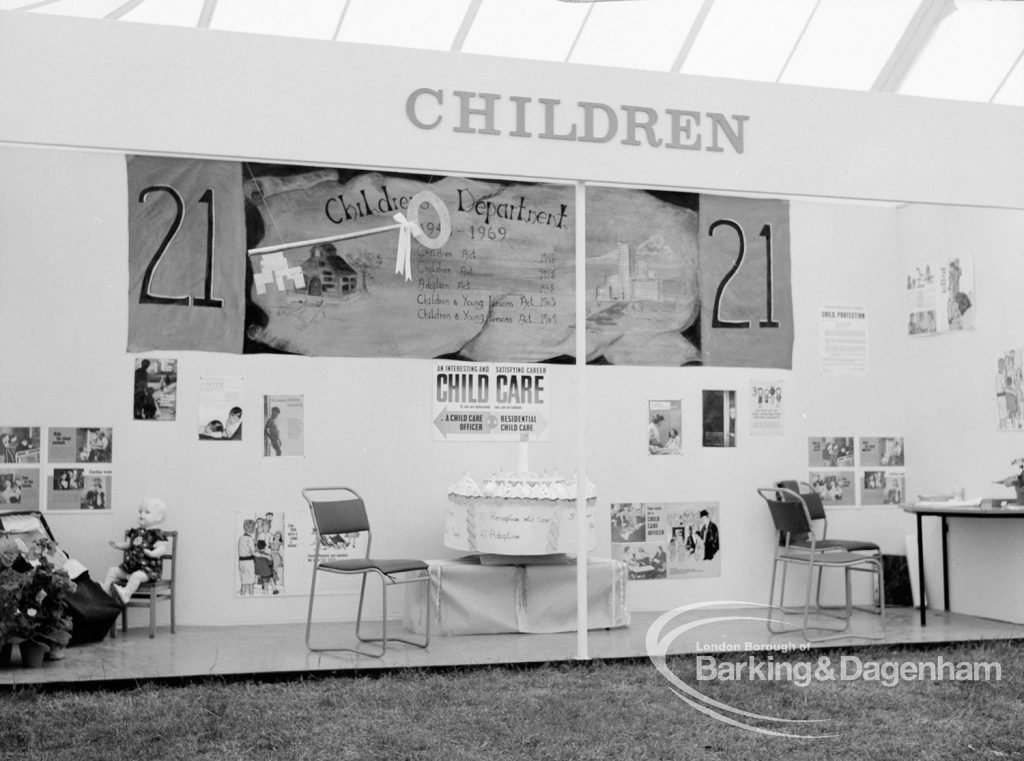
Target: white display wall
(63,228)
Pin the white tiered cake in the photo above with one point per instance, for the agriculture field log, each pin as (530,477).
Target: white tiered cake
(520,514)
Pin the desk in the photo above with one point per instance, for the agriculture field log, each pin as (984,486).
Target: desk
(945,510)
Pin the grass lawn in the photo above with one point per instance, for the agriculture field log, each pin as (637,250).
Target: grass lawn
(621,710)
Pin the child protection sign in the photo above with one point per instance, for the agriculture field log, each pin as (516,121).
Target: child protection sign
(474,402)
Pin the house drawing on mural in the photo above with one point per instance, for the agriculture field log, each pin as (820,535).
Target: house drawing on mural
(327,274)
(632,281)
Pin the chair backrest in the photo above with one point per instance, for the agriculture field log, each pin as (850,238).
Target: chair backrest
(815,506)
(788,509)
(336,510)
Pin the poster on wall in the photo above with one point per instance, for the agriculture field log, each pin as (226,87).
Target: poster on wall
(80,488)
(220,408)
(882,487)
(830,452)
(67,445)
(687,279)
(1010,390)
(283,425)
(882,451)
(719,418)
(484,402)
(835,487)
(667,540)
(264,541)
(344,262)
(664,427)
(19,445)
(19,487)
(766,408)
(156,389)
(940,296)
(843,334)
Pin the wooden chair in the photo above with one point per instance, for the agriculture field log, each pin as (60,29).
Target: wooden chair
(152,592)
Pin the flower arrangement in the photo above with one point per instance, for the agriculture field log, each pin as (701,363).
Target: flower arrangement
(33,595)
(1016,478)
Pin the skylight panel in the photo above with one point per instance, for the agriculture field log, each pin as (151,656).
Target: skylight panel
(542,30)
(424,24)
(314,19)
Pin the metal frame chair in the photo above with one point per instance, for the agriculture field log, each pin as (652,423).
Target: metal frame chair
(791,516)
(152,592)
(340,510)
(805,493)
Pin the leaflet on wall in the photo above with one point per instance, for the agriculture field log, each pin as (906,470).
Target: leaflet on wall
(843,340)
(220,409)
(156,389)
(835,487)
(484,402)
(882,487)
(940,296)
(687,279)
(884,451)
(84,488)
(664,426)
(1010,390)
(19,487)
(283,425)
(719,418)
(766,408)
(667,540)
(266,541)
(68,445)
(19,445)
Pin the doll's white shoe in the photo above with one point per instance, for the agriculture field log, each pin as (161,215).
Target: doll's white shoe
(118,594)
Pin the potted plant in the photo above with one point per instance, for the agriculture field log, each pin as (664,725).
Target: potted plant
(1016,479)
(33,601)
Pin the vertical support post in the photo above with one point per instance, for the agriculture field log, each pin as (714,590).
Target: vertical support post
(582,522)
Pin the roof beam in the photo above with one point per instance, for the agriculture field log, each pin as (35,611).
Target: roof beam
(691,37)
(920,28)
(123,9)
(206,14)
(466,25)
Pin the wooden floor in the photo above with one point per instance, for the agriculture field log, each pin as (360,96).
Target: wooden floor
(279,651)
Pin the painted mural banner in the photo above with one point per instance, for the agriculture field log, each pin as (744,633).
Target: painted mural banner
(687,279)
(246,257)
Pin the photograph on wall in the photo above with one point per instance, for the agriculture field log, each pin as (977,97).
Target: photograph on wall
(220,408)
(283,425)
(679,279)
(664,426)
(940,296)
(484,402)
(1010,390)
(19,445)
(86,488)
(719,418)
(156,389)
(644,560)
(19,487)
(628,522)
(882,487)
(882,451)
(695,540)
(830,452)
(843,340)
(835,487)
(766,408)
(347,262)
(71,445)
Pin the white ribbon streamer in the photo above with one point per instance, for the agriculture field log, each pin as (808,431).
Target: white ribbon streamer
(403,257)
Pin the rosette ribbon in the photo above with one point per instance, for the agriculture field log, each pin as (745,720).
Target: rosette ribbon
(403,258)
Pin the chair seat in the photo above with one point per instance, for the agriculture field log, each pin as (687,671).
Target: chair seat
(388,566)
(849,545)
(825,558)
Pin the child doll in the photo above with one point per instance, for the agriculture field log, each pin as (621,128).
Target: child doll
(144,547)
